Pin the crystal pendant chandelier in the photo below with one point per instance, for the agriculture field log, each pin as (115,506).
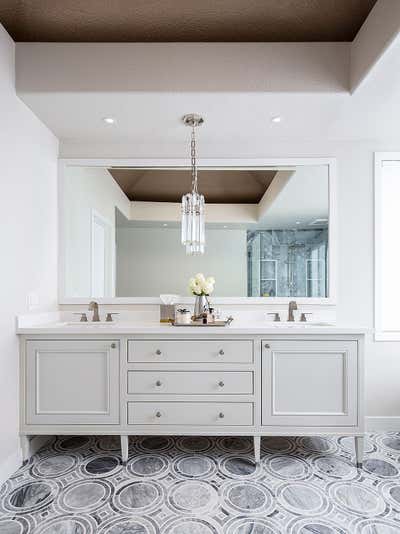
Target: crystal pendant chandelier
(193,234)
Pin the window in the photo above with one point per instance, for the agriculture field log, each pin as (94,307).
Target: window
(387,246)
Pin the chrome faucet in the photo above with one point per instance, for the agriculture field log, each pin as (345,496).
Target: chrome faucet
(292,306)
(93,306)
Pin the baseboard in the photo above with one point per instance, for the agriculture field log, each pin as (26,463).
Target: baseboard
(382,424)
(10,465)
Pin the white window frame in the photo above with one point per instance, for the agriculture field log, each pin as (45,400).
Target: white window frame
(379,333)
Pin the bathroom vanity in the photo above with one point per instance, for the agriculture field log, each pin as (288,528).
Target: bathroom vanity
(150,379)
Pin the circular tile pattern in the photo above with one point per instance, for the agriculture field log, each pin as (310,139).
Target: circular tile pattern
(129,525)
(31,496)
(139,496)
(391,493)
(375,526)
(317,444)
(347,444)
(302,498)
(239,467)
(380,468)
(72,443)
(277,444)
(235,444)
(85,495)
(247,498)
(335,467)
(357,499)
(149,465)
(101,465)
(194,444)
(15,525)
(252,525)
(192,497)
(54,466)
(155,443)
(108,443)
(194,466)
(68,525)
(191,526)
(287,467)
(315,525)
(392,443)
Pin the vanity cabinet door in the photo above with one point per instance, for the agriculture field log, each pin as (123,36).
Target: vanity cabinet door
(72,382)
(309,383)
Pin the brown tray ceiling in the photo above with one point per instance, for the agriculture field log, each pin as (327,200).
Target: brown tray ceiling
(183,20)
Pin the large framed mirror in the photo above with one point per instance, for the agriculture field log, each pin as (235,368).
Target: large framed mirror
(270,230)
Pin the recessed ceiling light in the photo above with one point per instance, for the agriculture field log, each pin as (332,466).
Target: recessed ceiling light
(276,119)
(165,224)
(108,120)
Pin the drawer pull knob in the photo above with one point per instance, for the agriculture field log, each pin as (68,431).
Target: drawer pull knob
(158,352)
(158,383)
(221,415)
(221,384)
(113,345)
(158,414)
(266,346)
(221,352)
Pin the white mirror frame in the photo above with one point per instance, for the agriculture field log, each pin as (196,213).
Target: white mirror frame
(209,163)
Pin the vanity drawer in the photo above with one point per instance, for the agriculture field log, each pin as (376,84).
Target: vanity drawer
(191,351)
(191,413)
(190,383)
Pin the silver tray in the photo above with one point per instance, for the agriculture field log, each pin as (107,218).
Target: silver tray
(226,322)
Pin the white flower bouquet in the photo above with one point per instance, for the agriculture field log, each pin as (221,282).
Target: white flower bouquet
(201,286)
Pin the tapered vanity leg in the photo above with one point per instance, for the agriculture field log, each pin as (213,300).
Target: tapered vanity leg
(359,445)
(25,446)
(124,448)
(257,449)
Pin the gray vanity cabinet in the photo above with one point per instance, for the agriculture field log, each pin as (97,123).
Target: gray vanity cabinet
(72,382)
(310,383)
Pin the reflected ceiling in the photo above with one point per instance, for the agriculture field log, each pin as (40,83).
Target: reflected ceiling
(219,186)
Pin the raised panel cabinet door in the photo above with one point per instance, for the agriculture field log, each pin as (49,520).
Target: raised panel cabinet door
(310,383)
(72,382)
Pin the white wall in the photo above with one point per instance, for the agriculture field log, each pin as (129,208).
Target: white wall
(152,261)
(355,235)
(28,236)
(85,189)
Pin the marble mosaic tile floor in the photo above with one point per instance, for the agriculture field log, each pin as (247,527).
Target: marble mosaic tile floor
(186,485)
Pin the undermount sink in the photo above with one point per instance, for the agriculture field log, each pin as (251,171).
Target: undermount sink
(90,323)
(289,324)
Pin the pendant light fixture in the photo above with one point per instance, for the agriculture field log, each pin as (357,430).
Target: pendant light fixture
(193,233)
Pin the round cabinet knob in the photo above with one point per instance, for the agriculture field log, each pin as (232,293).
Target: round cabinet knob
(158,414)
(266,346)
(158,383)
(158,352)
(221,415)
(221,384)
(221,352)
(113,345)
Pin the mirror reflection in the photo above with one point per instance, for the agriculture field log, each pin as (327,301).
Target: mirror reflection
(266,232)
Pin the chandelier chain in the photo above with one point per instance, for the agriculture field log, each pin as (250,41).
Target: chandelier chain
(193,159)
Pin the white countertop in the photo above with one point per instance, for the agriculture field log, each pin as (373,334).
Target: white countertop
(144,328)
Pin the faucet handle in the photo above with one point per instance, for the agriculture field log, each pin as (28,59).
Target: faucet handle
(303,317)
(276,316)
(109,315)
(83,315)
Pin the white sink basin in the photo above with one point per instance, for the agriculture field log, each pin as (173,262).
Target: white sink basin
(289,324)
